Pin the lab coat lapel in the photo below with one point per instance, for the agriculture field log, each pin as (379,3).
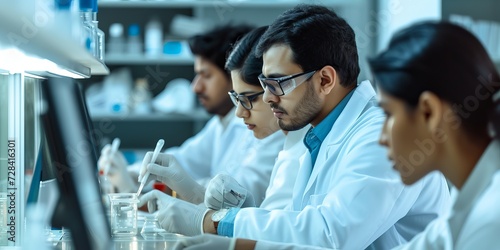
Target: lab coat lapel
(362,95)
(318,167)
(474,187)
(302,178)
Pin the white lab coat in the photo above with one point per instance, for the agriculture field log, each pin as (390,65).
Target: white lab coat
(280,190)
(231,149)
(352,198)
(474,220)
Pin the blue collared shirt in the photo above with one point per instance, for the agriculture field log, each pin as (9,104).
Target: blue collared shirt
(316,135)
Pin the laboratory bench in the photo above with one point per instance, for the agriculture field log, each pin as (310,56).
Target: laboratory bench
(167,241)
(61,239)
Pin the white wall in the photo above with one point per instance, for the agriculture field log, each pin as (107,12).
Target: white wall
(392,15)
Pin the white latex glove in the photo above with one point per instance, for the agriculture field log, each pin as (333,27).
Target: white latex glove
(206,241)
(168,170)
(234,194)
(117,173)
(175,215)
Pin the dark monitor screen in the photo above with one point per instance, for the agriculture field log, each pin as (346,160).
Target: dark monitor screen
(73,162)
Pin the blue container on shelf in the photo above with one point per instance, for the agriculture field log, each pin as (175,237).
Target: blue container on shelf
(172,48)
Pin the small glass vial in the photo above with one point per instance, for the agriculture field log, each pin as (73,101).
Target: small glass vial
(123,208)
(151,228)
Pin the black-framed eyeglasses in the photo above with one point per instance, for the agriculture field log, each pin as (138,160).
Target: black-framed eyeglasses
(283,85)
(245,100)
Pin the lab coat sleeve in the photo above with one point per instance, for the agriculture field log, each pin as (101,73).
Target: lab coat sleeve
(254,170)
(482,227)
(279,193)
(362,199)
(435,237)
(280,189)
(269,245)
(195,154)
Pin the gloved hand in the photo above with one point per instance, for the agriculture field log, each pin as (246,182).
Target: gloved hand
(117,173)
(175,215)
(206,241)
(168,170)
(234,194)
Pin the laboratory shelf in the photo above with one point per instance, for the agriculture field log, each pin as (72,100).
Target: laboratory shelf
(35,32)
(140,131)
(212,3)
(197,115)
(124,59)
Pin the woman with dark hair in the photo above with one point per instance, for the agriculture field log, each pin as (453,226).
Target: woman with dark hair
(246,95)
(436,85)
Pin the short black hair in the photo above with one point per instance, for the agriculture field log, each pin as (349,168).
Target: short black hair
(317,37)
(243,57)
(442,58)
(215,44)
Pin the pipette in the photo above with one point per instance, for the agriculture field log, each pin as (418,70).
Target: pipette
(114,147)
(159,146)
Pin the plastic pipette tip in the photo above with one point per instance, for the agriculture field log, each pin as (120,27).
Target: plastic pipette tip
(159,146)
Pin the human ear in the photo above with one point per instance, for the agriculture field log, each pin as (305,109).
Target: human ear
(329,78)
(431,110)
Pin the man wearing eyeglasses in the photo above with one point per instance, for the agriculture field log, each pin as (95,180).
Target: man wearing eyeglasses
(346,195)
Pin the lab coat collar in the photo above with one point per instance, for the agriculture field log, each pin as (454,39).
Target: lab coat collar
(474,186)
(228,118)
(293,137)
(363,94)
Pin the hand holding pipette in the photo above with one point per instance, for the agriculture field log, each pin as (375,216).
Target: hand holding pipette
(113,164)
(159,146)
(168,170)
(114,147)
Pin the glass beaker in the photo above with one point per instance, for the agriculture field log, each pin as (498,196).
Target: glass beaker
(123,208)
(151,228)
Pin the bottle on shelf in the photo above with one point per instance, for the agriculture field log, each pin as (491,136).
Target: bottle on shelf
(116,41)
(141,97)
(153,38)
(67,12)
(99,43)
(134,41)
(89,33)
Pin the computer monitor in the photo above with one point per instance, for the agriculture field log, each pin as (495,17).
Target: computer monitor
(73,162)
